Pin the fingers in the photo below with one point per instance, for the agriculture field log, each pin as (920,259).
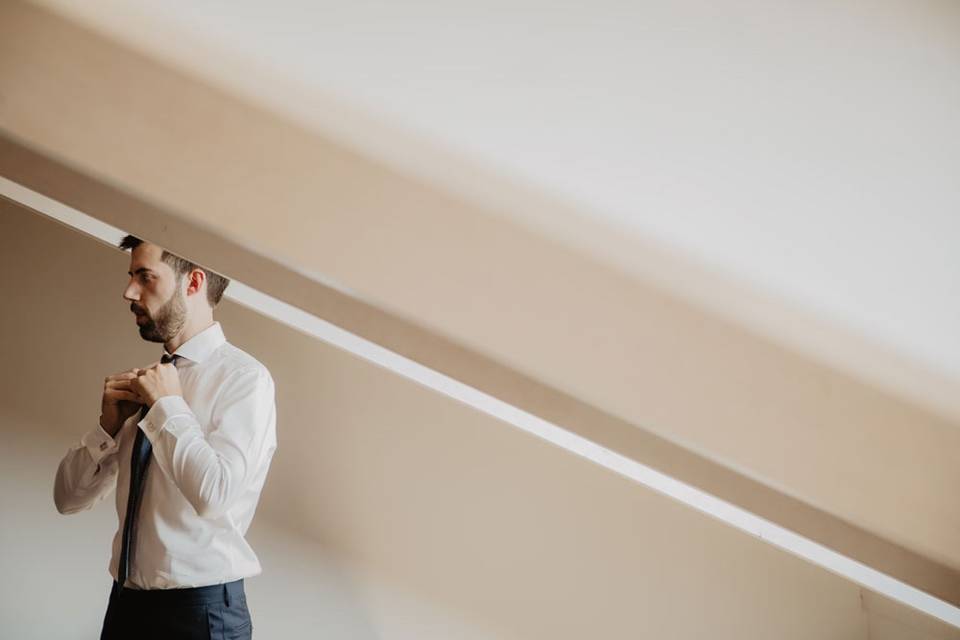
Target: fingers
(115,395)
(117,389)
(121,376)
(129,374)
(120,386)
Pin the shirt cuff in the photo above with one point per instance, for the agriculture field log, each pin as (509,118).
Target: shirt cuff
(161,412)
(99,443)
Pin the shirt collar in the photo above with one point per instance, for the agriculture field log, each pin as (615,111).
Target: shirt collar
(201,345)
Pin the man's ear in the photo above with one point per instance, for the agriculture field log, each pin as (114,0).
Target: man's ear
(195,280)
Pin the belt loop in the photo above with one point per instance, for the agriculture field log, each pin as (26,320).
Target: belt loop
(226,594)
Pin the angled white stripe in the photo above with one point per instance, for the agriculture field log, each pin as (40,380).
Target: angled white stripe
(667,485)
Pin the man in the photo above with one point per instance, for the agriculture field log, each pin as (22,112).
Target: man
(187,444)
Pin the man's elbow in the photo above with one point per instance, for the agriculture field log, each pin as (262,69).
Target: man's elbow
(61,499)
(215,501)
(211,509)
(218,491)
(65,507)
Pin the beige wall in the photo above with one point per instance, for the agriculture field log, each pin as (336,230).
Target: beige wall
(55,584)
(390,511)
(881,453)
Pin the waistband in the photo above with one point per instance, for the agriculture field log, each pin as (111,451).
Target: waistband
(225,592)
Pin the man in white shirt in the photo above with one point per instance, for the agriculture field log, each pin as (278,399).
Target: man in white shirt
(187,443)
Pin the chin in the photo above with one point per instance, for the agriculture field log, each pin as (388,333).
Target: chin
(149,336)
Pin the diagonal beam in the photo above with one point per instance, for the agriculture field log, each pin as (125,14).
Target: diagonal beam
(335,315)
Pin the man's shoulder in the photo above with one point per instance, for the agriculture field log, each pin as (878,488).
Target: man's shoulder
(231,358)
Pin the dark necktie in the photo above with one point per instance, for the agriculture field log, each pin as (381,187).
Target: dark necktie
(139,462)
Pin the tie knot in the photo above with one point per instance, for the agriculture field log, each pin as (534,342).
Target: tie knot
(169,358)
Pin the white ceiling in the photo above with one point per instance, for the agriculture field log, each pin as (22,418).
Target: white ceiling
(807,149)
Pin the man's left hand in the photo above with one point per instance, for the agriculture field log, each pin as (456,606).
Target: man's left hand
(156,381)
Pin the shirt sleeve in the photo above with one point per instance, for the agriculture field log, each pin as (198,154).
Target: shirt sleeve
(213,468)
(87,473)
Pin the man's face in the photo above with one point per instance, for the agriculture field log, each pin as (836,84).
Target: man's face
(154,295)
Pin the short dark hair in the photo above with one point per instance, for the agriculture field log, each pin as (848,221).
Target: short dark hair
(216,283)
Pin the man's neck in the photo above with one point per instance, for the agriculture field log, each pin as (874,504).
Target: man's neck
(189,330)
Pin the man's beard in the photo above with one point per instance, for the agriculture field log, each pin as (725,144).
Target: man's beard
(167,321)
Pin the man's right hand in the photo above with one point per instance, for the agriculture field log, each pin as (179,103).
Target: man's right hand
(119,401)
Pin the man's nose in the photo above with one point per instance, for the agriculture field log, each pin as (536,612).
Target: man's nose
(131,293)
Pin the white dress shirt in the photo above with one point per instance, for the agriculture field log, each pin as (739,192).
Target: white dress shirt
(211,451)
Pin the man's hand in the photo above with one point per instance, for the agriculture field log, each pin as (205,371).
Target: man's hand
(119,401)
(156,381)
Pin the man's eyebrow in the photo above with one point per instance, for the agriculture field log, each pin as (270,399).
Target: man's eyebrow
(141,269)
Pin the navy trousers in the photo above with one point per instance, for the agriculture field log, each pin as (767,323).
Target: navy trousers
(216,612)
